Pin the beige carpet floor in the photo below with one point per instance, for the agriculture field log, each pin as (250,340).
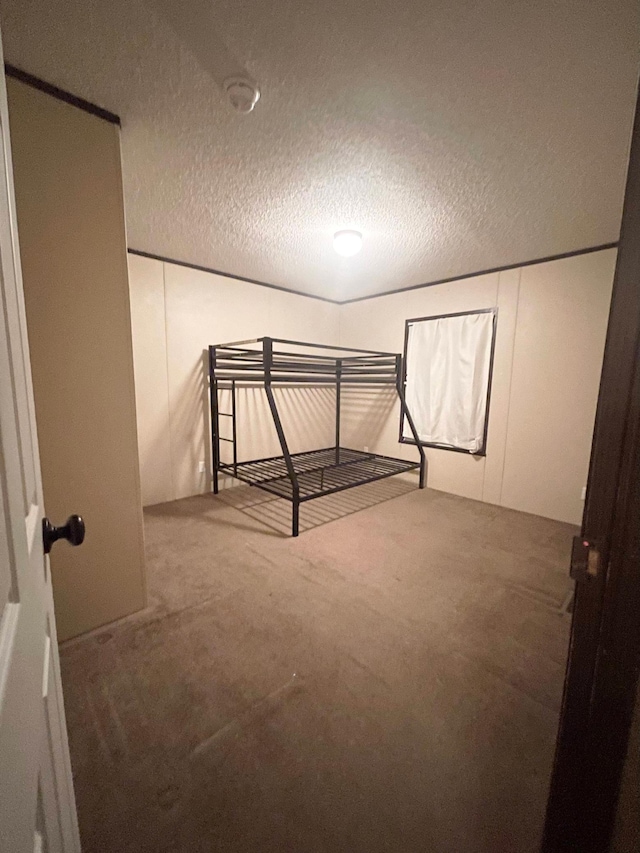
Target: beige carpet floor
(389,681)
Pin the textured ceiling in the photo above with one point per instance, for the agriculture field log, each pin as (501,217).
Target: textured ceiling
(457,135)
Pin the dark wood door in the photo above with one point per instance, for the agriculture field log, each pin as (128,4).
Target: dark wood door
(604,651)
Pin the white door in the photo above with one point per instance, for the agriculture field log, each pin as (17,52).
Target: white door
(37,806)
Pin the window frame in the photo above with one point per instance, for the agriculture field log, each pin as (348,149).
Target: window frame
(482,451)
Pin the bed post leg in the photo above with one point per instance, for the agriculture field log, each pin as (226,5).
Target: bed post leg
(267,355)
(295,518)
(338,377)
(407,414)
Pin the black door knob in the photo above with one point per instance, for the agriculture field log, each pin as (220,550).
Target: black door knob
(72,531)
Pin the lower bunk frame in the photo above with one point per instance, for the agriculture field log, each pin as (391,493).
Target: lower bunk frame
(319,473)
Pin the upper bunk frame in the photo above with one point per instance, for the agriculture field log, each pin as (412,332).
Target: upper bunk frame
(273,362)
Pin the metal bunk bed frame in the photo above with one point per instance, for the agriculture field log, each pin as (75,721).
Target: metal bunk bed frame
(300,477)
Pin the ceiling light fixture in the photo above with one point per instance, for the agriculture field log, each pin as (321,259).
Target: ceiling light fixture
(347,243)
(243,93)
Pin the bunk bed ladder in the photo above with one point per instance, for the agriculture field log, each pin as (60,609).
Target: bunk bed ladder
(216,414)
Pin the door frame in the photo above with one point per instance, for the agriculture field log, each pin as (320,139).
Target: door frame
(604,649)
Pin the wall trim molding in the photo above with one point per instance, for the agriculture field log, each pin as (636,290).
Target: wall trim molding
(572,254)
(586,251)
(200,268)
(60,94)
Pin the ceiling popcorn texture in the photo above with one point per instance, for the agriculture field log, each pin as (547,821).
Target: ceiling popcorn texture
(456,136)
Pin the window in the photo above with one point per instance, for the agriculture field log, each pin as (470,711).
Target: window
(448,362)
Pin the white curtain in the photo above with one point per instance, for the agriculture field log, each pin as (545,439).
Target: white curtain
(448,362)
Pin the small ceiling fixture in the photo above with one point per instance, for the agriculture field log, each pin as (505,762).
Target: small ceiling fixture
(347,243)
(243,93)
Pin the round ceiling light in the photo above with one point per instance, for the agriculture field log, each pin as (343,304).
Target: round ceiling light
(347,243)
(243,93)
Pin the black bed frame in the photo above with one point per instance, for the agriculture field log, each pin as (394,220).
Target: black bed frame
(300,477)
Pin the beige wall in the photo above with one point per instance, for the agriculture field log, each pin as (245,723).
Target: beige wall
(552,321)
(551,328)
(72,240)
(562,314)
(176,313)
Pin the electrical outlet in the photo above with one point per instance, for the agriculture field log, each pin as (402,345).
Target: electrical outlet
(366,449)
(201,467)
(583,494)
